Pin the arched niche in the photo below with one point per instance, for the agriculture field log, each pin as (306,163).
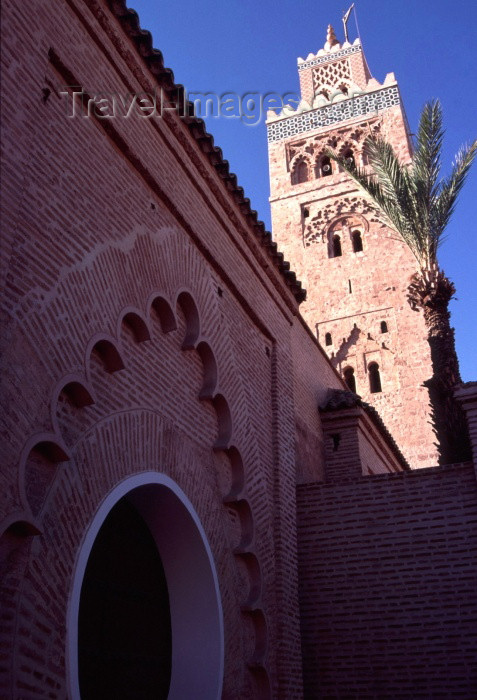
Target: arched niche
(15,532)
(336,246)
(357,241)
(224,422)
(135,323)
(210,370)
(349,221)
(187,305)
(159,306)
(300,172)
(106,350)
(374,378)
(324,167)
(38,466)
(196,620)
(350,378)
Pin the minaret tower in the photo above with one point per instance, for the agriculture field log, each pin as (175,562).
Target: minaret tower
(356,270)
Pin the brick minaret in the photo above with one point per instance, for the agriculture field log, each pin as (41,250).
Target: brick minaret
(356,269)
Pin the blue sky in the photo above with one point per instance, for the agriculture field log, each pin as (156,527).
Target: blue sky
(251,46)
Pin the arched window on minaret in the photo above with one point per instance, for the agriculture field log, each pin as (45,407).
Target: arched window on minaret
(328,340)
(357,241)
(349,158)
(324,167)
(350,379)
(336,240)
(384,327)
(343,88)
(374,378)
(300,172)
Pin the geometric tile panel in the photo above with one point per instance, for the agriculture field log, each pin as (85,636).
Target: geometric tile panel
(358,106)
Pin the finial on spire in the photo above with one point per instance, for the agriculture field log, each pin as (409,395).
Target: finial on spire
(331,39)
(345,22)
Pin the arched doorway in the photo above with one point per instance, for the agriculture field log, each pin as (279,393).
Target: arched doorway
(124,625)
(145,614)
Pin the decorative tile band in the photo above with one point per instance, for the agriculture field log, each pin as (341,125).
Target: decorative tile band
(329,57)
(359,106)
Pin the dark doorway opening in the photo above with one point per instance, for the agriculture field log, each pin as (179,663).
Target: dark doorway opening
(124,626)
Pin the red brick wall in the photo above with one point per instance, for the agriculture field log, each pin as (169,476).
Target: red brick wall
(388,574)
(100,221)
(466,394)
(374,460)
(311,380)
(354,446)
(342,446)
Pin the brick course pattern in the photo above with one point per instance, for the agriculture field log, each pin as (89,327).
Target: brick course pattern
(388,573)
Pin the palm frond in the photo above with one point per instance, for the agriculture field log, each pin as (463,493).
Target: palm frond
(446,199)
(424,172)
(426,160)
(388,187)
(411,199)
(379,189)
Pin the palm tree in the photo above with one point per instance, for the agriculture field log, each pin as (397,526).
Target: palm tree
(418,205)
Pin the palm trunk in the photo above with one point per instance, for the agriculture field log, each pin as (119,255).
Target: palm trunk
(431,291)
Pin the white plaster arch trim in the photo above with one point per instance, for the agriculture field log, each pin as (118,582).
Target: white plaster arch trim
(194,595)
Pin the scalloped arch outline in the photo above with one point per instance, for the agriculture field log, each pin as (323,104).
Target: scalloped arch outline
(81,393)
